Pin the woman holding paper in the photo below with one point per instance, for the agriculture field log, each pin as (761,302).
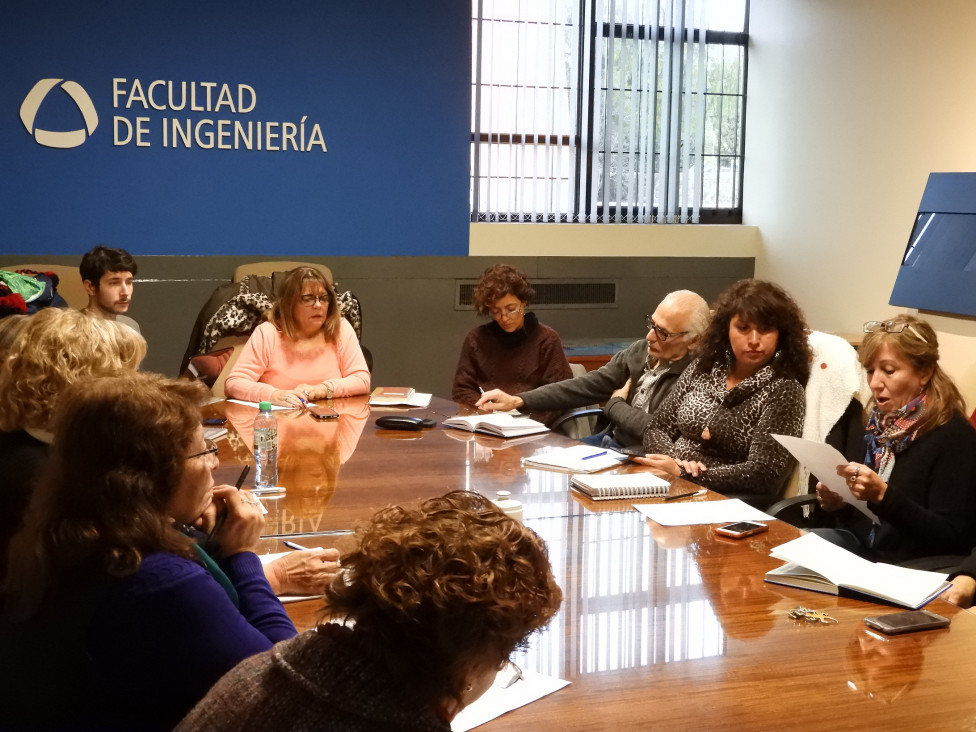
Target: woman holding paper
(715,426)
(919,470)
(514,352)
(305,350)
(439,597)
(113,616)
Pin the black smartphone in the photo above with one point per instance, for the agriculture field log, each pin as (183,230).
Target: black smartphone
(906,622)
(323,413)
(214,422)
(741,529)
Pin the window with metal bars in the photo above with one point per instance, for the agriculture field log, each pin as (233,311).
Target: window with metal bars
(608,111)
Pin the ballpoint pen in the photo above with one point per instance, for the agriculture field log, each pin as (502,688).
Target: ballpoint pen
(702,492)
(222,514)
(596,454)
(293,545)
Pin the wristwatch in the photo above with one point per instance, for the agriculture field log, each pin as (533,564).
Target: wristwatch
(328,391)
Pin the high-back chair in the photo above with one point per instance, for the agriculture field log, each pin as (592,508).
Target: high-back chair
(258,280)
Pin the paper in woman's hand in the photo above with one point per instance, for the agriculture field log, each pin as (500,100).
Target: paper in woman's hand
(822,460)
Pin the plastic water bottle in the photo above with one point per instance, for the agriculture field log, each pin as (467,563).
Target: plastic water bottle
(265,449)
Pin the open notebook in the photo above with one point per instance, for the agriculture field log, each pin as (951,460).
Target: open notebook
(499,424)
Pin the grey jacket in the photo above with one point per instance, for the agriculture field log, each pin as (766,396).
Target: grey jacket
(597,386)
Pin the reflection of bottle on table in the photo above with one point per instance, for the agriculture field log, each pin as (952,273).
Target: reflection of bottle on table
(265,449)
(509,505)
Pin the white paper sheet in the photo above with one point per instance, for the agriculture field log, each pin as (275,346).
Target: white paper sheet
(822,460)
(690,513)
(496,701)
(576,459)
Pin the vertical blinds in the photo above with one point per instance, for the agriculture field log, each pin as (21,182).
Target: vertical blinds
(601,126)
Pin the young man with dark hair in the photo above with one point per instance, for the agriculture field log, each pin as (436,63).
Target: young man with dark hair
(107,275)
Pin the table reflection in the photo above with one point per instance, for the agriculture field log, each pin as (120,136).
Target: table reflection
(631,598)
(885,669)
(310,453)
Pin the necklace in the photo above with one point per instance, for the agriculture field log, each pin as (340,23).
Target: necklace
(719,395)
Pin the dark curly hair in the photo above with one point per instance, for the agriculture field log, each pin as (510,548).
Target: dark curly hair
(768,306)
(119,452)
(102,259)
(437,590)
(496,282)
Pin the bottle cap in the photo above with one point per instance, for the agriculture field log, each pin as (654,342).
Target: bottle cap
(265,406)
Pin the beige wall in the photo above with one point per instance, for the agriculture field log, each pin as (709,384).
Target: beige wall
(852,103)
(615,240)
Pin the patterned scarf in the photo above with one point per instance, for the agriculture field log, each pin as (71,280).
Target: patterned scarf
(891,433)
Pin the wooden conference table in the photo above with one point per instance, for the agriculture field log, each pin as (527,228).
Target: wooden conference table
(664,628)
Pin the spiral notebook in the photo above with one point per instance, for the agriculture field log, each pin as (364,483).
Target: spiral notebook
(620,487)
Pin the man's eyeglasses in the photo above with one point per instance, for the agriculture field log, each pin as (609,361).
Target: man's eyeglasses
(211,450)
(662,334)
(310,300)
(507,675)
(891,326)
(505,312)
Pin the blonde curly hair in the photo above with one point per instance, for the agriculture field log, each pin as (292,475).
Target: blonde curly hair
(52,349)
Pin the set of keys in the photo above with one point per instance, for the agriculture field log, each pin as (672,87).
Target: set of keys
(811,616)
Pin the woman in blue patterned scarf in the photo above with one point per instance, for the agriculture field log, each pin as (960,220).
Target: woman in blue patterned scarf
(918,472)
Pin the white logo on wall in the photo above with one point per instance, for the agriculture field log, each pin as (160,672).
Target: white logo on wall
(32,102)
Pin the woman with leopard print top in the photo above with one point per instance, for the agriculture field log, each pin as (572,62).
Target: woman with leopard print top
(715,427)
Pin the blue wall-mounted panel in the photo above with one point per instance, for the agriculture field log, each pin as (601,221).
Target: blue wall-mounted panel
(372,98)
(938,270)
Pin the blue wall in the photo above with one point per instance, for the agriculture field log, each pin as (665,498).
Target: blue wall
(383,88)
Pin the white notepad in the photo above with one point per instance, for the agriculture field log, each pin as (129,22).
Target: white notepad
(617,487)
(576,459)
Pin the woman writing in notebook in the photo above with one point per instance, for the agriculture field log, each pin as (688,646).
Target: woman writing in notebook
(514,352)
(919,468)
(305,350)
(439,596)
(715,426)
(113,617)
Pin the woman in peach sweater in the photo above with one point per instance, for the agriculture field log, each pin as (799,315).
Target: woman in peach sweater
(305,350)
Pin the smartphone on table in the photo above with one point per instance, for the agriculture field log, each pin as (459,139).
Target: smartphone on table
(906,622)
(323,413)
(741,529)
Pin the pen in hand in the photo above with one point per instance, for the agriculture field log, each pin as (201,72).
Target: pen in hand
(222,514)
(293,545)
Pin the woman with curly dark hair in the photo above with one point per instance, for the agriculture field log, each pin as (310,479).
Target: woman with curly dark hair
(427,610)
(715,426)
(107,598)
(514,352)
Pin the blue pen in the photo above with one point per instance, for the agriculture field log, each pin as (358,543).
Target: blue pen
(596,454)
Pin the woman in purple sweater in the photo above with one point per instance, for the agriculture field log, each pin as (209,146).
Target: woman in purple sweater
(113,618)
